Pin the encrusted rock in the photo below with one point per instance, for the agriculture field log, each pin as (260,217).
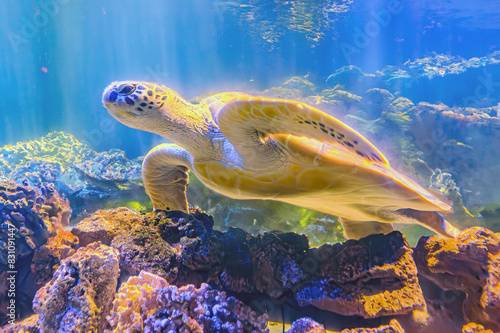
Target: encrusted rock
(28,325)
(393,327)
(89,179)
(175,224)
(266,263)
(199,249)
(105,225)
(81,291)
(376,101)
(29,217)
(372,277)
(353,79)
(306,87)
(47,258)
(135,301)
(33,272)
(148,304)
(470,263)
(143,249)
(475,328)
(306,325)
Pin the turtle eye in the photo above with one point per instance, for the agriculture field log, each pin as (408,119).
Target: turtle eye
(125,89)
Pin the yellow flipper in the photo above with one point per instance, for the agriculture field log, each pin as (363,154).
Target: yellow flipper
(251,124)
(165,175)
(251,118)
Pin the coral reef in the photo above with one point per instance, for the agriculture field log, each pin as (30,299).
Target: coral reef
(30,218)
(300,84)
(306,325)
(183,248)
(105,225)
(373,277)
(437,78)
(81,291)
(468,264)
(338,93)
(28,325)
(47,257)
(272,263)
(148,304)
(446,148)
(458,139)
(135,301)
(175,254)
(475,328)
(442,65)
(87,178)
(295,87)
(30,215)
(353,79)
(143,249)
(393,327)
(66,152)
(168,258)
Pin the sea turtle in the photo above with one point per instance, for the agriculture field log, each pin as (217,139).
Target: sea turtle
(248,147)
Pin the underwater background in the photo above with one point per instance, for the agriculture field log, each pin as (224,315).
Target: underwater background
(57,58)
(419,79)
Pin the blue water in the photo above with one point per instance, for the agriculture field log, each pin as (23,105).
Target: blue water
(56,56)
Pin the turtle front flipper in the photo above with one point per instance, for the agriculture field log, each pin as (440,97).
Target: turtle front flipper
(360,229)
(248,121)
(165,175)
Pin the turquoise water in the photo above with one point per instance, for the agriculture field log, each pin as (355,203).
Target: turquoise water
(198,47)
(420,80)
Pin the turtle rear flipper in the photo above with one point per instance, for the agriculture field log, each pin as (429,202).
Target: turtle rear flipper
(430,220)
(360,229)
(165,175)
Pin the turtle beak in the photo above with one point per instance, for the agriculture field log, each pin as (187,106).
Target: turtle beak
(109,95)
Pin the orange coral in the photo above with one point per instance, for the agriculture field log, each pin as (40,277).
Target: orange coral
(134,302)
(47,258)
(470,263)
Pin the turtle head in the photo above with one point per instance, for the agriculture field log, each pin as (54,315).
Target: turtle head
(157,109)
(140,105)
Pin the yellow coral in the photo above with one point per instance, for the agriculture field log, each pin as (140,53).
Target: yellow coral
(56,146)
(339,94)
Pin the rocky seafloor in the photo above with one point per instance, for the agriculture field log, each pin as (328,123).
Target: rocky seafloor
(122,271)
(82,265)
